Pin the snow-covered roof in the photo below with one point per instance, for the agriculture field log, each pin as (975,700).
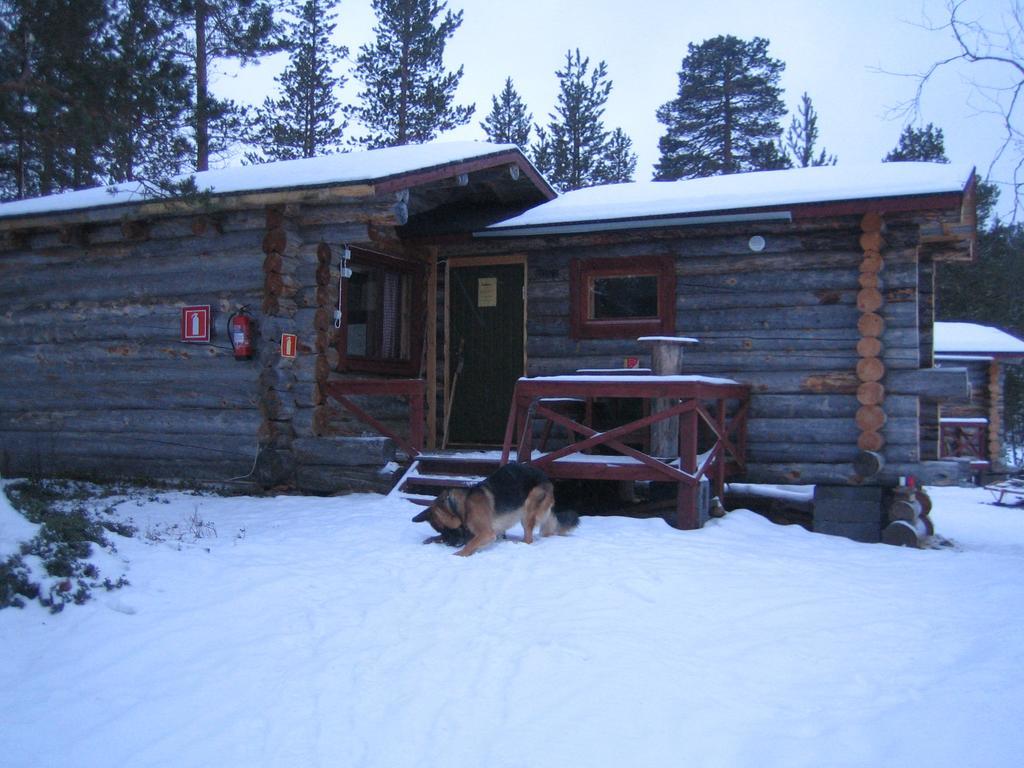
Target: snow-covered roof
(970,338)
(686,200)
(349,168)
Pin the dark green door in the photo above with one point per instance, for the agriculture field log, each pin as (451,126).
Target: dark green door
(485,349)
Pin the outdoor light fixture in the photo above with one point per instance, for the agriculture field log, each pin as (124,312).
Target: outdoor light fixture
(756,243)
(345,271)
(346,254)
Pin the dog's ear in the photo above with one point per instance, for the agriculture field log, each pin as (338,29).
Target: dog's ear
(423,516)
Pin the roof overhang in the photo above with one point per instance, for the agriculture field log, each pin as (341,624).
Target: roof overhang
(277,184)
(793,196)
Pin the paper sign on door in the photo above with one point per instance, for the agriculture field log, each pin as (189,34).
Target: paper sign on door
(487,292)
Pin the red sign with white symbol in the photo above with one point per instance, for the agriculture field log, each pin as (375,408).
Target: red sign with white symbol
(289,344)
(195,323)
(631,362)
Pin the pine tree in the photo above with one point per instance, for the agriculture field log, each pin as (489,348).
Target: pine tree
(222,29)
(149,97)
(304,120)
(541,152)
(407,95)
(508,122)
(726,113)
(924,144)
(577,134)
(928,145)
(15,113)
(619,159)
(769,156)
(55,68)
(802,137)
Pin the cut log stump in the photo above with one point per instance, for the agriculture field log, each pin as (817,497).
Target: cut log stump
(902,533)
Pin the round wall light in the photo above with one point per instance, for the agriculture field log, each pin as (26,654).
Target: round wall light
(756,243)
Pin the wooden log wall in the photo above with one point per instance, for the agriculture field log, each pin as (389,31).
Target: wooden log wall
(979,379)
(821,325)
(302,247)
(96,382)
(931,431)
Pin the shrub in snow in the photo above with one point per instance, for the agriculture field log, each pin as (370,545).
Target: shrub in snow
(16,583)
(54,566)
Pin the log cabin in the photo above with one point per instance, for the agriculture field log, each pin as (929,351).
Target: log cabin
(975,430)
(102,380)
(416,286)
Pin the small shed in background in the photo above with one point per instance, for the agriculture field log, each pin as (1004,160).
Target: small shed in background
(976,429)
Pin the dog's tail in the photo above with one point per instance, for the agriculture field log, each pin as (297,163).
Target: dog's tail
(567,519)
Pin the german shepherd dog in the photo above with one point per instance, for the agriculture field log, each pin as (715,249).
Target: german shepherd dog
(514,493)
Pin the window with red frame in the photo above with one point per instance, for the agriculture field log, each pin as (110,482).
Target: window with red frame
(380,300)
(622,298)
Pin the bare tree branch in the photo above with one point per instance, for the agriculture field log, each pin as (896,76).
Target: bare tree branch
(996,51)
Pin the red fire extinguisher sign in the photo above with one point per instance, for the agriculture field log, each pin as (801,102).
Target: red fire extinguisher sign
(195,323)
(289,344)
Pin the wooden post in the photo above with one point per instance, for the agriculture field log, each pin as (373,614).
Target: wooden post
(666,360)
(995,414)
(687,514)
(431,350)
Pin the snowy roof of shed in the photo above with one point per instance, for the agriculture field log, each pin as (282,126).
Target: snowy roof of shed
(971,338)
(371,167)
(759,196)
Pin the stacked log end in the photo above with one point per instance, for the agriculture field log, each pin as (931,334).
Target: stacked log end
(908,523)
(278,382)
(298,299)
(871,416)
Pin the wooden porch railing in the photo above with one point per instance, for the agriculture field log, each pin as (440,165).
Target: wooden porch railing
(411,389)
(719,404)
(963,438)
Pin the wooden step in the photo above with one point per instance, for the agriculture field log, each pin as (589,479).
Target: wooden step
(420,484)
(432,473)
(456,465)
(442,481)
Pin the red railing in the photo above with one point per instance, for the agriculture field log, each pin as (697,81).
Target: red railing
(963,438)
(411,389)
(718,404)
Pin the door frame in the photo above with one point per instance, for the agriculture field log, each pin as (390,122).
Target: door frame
(470,261)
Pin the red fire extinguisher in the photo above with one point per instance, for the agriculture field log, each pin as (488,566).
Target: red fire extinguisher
(240,331)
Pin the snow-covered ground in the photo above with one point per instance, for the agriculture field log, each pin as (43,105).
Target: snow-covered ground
(319,632)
